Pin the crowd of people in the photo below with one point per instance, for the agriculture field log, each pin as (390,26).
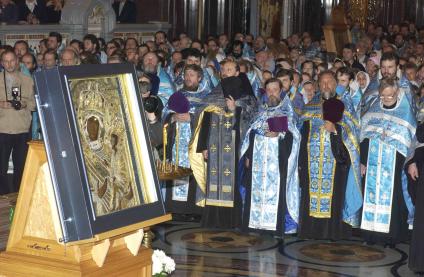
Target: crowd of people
(281,136)
(49,12)
(30,11)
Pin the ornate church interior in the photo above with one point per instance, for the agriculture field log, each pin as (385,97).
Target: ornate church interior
(211,138)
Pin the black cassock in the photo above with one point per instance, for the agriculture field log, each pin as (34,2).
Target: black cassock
(399,215)
(416,248)
(333,228)
(175,206)
(215,216)
(284,150)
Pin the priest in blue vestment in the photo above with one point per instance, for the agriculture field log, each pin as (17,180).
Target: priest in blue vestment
(192,89)
(329,153)
(270,155)
(179,125)
(387,139)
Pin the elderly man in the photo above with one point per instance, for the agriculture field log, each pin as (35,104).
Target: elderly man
(328,152)
(214,153)
(69,57)
(150,66)
(16,104)
(387,137)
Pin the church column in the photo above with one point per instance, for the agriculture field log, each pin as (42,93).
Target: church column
(200,18)
(287,19)
(220,17)
(192,7)
(254,18)
(296,11)
(328,7)
(240,16)
(415,11)
(390,11)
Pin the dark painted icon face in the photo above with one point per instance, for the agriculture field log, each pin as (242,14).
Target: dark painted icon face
(93,127)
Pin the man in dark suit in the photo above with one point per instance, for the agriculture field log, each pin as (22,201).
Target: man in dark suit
(125,11)
(32,11)
(8,12)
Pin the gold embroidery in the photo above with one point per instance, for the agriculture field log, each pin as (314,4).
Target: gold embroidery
(227,172)
(213,148)
(226,188)
(319,195)
(227,148)
(227,124)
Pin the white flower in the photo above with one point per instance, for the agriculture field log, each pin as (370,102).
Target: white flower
(159,255)
(157,266)
(162,263)
(169,265)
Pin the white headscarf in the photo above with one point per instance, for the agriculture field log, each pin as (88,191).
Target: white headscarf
(367,77)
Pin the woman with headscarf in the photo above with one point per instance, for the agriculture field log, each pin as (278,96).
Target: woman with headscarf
(363,80)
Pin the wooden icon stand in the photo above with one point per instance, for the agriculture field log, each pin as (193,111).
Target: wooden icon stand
(34,247)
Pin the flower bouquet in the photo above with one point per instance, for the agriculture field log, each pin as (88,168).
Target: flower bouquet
(162,264)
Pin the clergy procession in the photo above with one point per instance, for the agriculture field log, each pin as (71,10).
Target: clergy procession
(278,137)
(274,156)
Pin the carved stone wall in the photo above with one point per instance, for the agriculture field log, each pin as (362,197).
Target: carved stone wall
(96,14)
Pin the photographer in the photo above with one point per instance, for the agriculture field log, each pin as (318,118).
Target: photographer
(16,103)
(153,108)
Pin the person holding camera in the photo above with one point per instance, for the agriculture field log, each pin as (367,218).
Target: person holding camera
(153,108)
(16,104)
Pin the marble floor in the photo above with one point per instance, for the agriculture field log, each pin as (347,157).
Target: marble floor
(201,252)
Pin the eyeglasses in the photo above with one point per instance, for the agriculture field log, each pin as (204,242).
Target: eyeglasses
(388,97)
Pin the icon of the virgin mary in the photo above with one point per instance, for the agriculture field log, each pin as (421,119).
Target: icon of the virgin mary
(93,129)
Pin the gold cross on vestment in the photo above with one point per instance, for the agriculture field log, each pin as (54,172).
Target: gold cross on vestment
(213,148)
(213,171)
(227,148)
(227,172)
(227,124)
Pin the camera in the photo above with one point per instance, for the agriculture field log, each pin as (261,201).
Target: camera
(151,104)
(16,93)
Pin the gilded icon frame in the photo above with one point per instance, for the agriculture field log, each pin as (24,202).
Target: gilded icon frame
(118,154)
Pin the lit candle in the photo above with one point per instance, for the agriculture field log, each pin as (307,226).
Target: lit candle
(165,137)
